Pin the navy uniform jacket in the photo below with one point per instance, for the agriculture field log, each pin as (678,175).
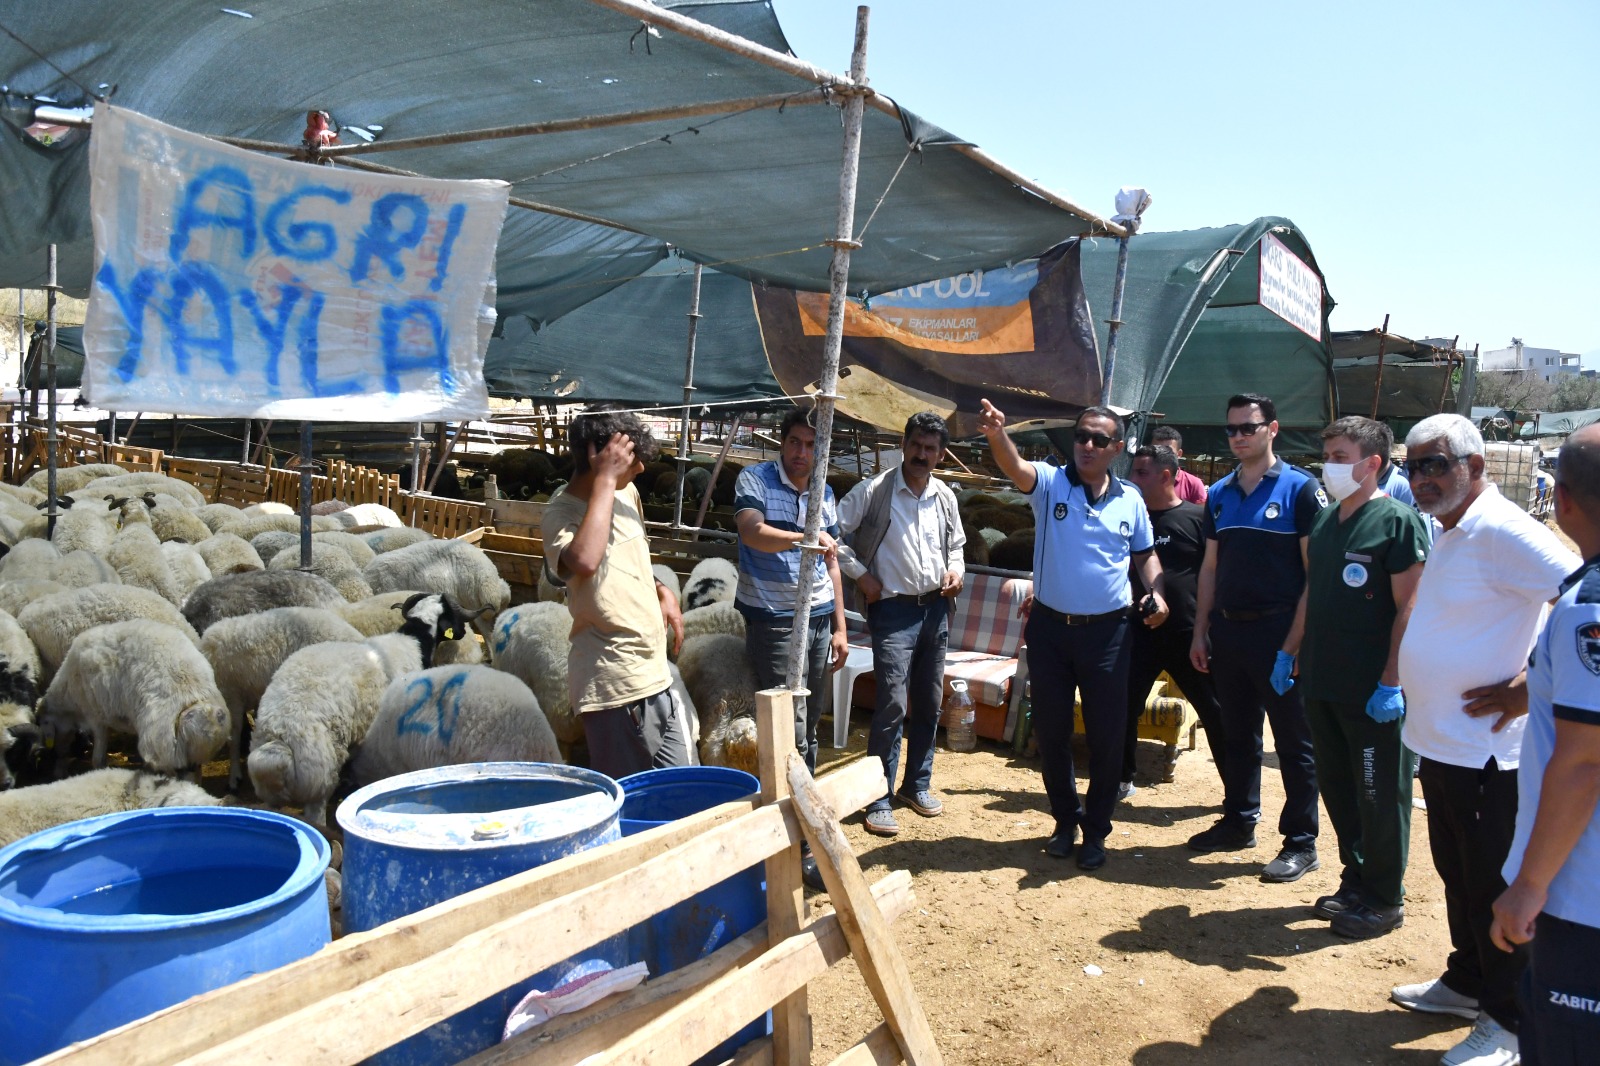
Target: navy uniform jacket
(1259,566)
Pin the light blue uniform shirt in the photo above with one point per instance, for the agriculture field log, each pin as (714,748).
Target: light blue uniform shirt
(1564,683)
(1081,550)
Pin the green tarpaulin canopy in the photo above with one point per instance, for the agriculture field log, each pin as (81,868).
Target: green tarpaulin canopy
(1416,374)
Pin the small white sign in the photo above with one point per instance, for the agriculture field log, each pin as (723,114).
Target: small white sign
(1289,288)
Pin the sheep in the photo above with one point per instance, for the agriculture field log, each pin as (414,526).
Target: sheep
(53,622)
(25,811)
(393,539)
(353,546)
(15,595)
(367,514)
(187,566)
(29,559)
(136,553)
(251,524)
(174,520)
(228,553)
(450,566)
(329,561)
(19,690)
(665,576)
(267,507)
(269,544)
(449,715)
(69,479)
(87,527)
(245,651)
(78,569)
(379,614)
(531,641)
(219,517)
(140,677)
(718,675)
(720,617)
(142,481)
(323,698)
(42,560)
(711,581)
(22,495)
(256,590)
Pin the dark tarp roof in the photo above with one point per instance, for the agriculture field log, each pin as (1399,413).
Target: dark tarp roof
(752,193)
(1414,373)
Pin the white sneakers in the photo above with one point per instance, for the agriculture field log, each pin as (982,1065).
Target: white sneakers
(1487,1045)
(1435,997)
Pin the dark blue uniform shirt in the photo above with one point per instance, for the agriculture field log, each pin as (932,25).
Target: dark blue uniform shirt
(1259,566)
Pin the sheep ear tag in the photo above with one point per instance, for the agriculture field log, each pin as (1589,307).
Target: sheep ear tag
(450,634)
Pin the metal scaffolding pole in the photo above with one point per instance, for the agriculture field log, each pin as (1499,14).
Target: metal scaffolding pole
(305,495)
(827,391)
(688,398)
(1114,323)
(50,385)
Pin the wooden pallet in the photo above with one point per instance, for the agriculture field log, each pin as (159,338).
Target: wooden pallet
(203,474)
(242,486)
(442,517)
(130,458)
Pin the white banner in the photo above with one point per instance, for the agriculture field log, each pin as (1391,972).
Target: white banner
(1289,288)
(228,282)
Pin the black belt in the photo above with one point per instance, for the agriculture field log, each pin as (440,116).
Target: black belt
(921,599)
(1079,619)
(1253,616)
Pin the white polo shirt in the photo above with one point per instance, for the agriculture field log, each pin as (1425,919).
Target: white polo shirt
(1480,605)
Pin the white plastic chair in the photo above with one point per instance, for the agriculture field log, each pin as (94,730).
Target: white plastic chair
(857,663)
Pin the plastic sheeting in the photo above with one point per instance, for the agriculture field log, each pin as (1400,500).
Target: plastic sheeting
(1414,376)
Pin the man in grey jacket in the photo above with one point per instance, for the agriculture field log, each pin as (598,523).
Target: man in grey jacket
(903,550)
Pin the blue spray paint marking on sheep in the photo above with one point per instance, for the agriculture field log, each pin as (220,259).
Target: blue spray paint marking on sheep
(445,704)
(502,635)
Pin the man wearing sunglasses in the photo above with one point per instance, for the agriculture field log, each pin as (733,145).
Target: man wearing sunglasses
(1088,525)
(1479,609)
(1258,519)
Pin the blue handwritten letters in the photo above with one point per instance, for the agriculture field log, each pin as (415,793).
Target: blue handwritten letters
(234,283)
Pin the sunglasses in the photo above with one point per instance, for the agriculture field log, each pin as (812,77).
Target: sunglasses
(1099,440)
(1431,465)
(1243,429)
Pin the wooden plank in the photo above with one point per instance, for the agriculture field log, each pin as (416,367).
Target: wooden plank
(570,1038)
(871,942)
(877,1049)
(190,1028)
(496,540)
(786,900)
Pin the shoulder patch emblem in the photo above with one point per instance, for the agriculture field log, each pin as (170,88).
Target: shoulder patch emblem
(1589,646)
(1273,510)
(1061,511)
(1322,498)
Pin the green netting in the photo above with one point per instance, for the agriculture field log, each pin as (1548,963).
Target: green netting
(1417,376)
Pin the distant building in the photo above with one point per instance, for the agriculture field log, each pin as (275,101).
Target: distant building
(1548,363)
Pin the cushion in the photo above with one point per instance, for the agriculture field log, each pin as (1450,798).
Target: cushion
(985,619)
(988,677)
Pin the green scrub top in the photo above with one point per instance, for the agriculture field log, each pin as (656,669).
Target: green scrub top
(1350,607)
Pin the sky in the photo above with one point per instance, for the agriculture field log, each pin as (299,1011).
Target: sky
(1442,157)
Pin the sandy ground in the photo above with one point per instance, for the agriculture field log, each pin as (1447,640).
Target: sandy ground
(1202,961)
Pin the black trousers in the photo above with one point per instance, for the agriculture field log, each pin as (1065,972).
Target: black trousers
(1560,995)
(1091,661)
(1242,654)
(1472,815)
(1167,648)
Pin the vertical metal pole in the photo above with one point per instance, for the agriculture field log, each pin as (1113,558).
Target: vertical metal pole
(50,386)
(827,392)
(1114,323)
(111,427)
(245,455)
(305,495)
(417,442)
(1377,382)
(688,398)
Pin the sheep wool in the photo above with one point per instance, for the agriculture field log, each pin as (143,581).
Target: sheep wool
(219,517)
(719,617)
(353,546)
(175,520)
(393,539)
(142,481)
(19,688)
(329,561)
(454,567)
(145,678)
(53,622)
(717,672)
(228,553)
(25,811)
(367,514)
(532,641)
(256,590)
(72,478)
(15,595)
(711,581)
(136,553)
(450,715)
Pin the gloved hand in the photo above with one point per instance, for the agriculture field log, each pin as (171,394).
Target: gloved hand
(1386,704)
(1283,673)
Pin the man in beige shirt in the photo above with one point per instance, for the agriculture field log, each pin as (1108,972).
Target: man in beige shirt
(595,545)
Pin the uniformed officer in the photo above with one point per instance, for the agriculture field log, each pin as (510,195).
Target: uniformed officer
(1554,866)
(1365,560)
(1088,523)
(1258,519)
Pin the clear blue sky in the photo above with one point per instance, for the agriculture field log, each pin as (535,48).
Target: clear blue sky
(1443,158)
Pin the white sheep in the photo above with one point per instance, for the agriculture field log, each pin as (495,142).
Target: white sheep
(219,517)
(380,613)
(395,538)
(175,520)
(88,526)
(30,559)
(251,524)
(448,566)
(144,678)
(27,497)
(256,590)
(267,507)
(40,559)
(717,672)
(19,689)
(53,622)
(720,617)
(711,581)
(15,595)
(245,651)
(187,566)
(71,478)
(531,641)
(136,554)
(24,811)
(329,561)
(228,553)
(367,514)
(357,549)
(269,544)
(450,715)
(142,481)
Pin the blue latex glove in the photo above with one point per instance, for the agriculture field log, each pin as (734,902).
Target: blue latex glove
(1283,673)
(1386,704)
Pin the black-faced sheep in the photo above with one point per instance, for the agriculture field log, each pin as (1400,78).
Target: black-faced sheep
(24,811)
(454,567)
(711,581)
(258,590)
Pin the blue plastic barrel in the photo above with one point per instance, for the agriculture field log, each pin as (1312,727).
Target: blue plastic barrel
(421,838)
(695,928)
(105,920)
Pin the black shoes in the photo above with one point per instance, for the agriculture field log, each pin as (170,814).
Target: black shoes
(1061,844)
(1330,907)
(1291,865)
(810,874)
(1360,922)
(1226,835)
(1091,855)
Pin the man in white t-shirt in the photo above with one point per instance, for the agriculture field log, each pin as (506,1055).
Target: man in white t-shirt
(1479,607)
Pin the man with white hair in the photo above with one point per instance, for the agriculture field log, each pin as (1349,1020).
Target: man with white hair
(1479,608)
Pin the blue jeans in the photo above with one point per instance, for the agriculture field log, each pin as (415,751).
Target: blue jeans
(908,645)
(767,642)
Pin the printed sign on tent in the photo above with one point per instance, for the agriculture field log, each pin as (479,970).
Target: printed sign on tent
(228,282)
(1289,288)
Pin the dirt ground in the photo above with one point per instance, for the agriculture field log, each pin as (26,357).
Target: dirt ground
(1202,961)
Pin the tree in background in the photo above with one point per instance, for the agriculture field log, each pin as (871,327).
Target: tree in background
(1525,390)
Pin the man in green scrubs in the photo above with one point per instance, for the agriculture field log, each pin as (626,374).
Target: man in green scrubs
(1364,561)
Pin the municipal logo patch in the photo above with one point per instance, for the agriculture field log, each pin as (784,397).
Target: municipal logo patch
(1589,646)
(1355,575)
(1125,529)
(1061,511)
(1322,498)
(1273,510)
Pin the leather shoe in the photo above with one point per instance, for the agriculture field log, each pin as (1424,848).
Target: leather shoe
(810,874)
(1328,907)
(1091,855)
(1290,865)
(1226,835)
(1361,922)
(1060,846)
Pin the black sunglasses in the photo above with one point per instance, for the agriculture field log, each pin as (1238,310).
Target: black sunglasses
(1099,440)
(1245,429)
(1431,465)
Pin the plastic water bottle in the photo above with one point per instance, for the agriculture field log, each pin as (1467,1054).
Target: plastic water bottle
(960,718)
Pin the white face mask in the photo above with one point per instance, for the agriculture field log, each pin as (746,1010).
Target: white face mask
(1338,480)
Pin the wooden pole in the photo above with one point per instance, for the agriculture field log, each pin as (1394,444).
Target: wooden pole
(688,397)
(1114,323)
(449,450)
(711,483)
(828,386)
(1377,382)
(1450,365)
(786,902)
